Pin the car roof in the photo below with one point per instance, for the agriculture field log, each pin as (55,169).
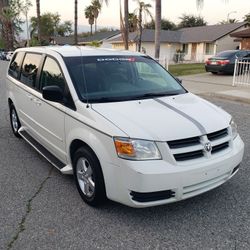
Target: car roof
(71,51)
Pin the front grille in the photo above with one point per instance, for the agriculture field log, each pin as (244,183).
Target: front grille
(220,147)
(217,135)
(193,148)
(184,142)
(189,155)
(152,196)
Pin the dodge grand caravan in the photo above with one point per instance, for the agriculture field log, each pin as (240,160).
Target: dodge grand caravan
(121,124)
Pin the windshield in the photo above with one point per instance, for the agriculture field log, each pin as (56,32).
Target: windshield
(120,78)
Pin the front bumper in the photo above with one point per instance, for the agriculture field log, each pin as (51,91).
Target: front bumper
(132,179)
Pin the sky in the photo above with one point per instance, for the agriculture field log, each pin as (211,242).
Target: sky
(213,11)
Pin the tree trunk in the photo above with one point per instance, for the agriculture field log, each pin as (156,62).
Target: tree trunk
(4,22)
(27,28)
(91,29)
(126,28)
(95,24)
(157,28)
(76,20)
(140,28)
(38,21)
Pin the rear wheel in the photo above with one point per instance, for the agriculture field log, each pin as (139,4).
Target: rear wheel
(14,121)
(88,176)
(214,73)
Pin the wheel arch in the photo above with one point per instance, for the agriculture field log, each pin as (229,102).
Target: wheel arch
(78,143)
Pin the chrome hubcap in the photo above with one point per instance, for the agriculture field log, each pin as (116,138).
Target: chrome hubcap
(85,176)
(14,120)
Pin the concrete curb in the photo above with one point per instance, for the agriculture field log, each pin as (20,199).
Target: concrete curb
(227,97)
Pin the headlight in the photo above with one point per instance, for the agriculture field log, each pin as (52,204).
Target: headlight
(234,128)
(139,150)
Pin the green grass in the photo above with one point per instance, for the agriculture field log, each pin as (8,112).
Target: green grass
(186,69)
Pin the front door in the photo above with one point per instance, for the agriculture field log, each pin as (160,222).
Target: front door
(193,52)
(50,116)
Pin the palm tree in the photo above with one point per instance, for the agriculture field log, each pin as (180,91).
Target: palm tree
(157,27)
(124,23)
(3,4)
(25,9)
(38,13)
(132,22)
(89,14)
(7,27)
(126,27)
(96,9)
(143,8)
(76,21)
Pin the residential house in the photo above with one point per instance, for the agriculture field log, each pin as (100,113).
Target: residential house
(243,37)
(99,37)
(202,42)
(197,43)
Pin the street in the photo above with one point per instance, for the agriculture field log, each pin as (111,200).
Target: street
(41,208)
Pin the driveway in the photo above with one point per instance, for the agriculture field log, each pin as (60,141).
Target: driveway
(219,85)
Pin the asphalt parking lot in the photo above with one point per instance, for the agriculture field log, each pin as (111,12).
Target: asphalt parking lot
(41,208)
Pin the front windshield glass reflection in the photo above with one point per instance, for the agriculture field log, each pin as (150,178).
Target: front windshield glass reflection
(120,78)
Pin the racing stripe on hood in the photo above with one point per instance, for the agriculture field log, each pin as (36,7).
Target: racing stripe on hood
(195,122)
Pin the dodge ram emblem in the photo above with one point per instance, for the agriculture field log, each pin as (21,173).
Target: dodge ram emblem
(208,147)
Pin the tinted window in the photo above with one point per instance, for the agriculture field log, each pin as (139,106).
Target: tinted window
(226,53)
(247,55)
(51,74)
(15,65)
(120,78)
(29,69)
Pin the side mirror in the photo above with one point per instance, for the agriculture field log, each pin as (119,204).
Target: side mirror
(52,93)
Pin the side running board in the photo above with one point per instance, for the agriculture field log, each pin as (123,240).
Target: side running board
(66,169)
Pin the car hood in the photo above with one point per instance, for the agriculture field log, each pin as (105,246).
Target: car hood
(166,118)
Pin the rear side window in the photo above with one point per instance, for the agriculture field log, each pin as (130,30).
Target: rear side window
(247,55)
(29,69)
(51,74)
(226,53)
(15,65)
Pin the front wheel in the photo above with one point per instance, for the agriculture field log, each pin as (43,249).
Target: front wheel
(14,121)
(88,176)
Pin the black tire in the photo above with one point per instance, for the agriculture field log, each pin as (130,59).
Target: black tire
(14,121)
(214,73)
(85,181)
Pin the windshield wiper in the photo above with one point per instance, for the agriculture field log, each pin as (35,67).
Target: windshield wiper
(108,99)
(127,98)
(157,94)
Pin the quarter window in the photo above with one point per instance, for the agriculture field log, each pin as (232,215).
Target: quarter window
(51,74)
(29,69)
(15,65)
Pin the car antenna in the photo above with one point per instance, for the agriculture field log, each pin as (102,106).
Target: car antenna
(83,75)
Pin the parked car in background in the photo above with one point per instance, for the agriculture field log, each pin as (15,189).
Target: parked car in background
(9,55)
(224,62)
(2,55)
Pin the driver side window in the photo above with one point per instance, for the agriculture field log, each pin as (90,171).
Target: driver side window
(52,75)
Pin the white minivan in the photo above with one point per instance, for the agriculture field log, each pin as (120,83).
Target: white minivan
(126,128)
